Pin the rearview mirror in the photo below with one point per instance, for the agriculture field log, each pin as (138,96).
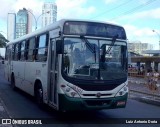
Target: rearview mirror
(59,47)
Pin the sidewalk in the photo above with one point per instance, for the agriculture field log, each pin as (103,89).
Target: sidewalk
(3,110)
(139,90)
(3,114)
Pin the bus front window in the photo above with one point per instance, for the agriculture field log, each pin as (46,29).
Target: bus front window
(92,60)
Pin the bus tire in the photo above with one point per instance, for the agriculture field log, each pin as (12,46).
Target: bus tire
(39,95)
(13,82)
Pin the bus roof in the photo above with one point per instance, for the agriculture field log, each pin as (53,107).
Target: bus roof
(58,24)
(40,31)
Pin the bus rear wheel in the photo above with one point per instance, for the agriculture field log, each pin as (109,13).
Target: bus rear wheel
(39,95)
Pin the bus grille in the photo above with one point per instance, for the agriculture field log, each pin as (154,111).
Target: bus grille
(96,94)
(98,87)
(98,102)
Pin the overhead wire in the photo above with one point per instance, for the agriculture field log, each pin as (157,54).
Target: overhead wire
(134,9)
(112,9)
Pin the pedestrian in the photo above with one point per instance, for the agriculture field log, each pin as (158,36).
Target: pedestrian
(155,79)
(142,69)
(148,77)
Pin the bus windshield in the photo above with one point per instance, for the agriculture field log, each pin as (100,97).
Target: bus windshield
(94,59)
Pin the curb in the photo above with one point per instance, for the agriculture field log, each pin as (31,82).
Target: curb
(147,100)
(150,101)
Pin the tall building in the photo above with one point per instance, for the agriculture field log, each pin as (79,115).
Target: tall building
(30,19)
(11,26)
(138,47)
(21,23)
(51,17)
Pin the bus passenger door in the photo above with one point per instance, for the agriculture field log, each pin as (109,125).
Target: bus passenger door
(53,74)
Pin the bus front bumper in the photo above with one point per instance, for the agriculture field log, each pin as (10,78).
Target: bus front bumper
(75,104)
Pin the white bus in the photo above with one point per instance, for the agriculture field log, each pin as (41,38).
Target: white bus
(71,65)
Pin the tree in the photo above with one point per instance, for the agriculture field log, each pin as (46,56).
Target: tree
(3,41)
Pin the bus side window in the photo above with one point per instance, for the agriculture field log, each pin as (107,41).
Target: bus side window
(42,47)
(19,51)
(26,50)
(6,54)
(22,50)
(16,52)
(13,52)
(31,55)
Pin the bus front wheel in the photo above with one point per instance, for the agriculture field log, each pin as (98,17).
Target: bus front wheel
(39,95)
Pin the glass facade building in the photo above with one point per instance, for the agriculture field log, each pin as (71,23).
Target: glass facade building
(21,23)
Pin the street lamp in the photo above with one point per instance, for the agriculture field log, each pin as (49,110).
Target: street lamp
(36,19)
(158,36)
(42,14)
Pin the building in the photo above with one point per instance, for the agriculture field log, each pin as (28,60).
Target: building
(22,23)
(138,47)
(11,26)
(152,52)
(51,17)
(30,19)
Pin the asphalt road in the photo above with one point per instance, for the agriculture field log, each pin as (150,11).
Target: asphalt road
(21,105)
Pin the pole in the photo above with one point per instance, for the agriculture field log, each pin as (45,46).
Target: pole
(42,14)
(36,20)
(33,17)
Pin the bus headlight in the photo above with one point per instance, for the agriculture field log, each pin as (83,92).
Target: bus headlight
(123,91)
(69,91)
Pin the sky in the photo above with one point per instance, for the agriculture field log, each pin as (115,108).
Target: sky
(138,17)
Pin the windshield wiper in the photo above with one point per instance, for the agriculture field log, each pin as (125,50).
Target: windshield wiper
(89,46)
(112,44)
